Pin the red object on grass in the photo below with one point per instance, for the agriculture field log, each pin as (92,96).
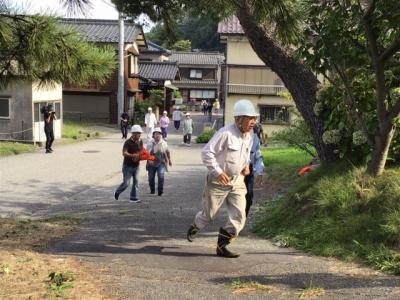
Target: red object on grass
(307,169)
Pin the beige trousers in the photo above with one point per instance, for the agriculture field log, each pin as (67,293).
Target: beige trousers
(214,196)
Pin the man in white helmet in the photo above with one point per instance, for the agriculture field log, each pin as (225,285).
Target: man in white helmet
(130,167)
(150,121)
(227,157)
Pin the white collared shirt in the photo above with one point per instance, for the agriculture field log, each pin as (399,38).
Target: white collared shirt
(228,151)
(150,120)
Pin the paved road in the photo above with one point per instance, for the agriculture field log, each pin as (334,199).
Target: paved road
(140,251)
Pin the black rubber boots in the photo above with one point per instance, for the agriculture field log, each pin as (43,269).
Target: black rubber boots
(224,239)
(192,232)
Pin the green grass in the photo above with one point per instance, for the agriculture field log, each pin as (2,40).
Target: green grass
(7,148)
(284,163)
(78,130)
(72,131)
(336,211)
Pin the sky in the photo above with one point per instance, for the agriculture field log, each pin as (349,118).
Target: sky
(99,9)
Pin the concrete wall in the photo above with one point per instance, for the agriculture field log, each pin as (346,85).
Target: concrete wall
(19,125)
(256,100)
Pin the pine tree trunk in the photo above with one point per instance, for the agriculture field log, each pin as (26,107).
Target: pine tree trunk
(298,79)
(376,165)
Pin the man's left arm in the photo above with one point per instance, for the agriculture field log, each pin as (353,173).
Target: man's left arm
(259,165)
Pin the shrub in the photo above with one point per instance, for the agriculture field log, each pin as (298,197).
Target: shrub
(205,136)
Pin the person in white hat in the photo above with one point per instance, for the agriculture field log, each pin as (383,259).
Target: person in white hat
(227,157)
(164,122)
(159,148)
(150,121)
(130,167)
(187,128)
(177,117)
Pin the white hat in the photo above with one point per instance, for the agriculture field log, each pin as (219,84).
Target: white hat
(149,108)
(165,112)
(157,129)
(136,128)
(187,114)
(244,107)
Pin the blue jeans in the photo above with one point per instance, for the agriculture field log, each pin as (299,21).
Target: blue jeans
(127,173)
(160,170)
(164,132)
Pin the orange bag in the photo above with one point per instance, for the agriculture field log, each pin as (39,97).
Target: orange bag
(145,155)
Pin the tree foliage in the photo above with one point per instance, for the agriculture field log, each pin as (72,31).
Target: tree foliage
(356,45)
(182,45)
(200,30)
(37,48)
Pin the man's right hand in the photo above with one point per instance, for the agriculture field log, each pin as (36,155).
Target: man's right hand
(135,157)
(224,179)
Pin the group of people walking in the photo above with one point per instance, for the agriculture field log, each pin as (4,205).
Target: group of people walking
(234,162)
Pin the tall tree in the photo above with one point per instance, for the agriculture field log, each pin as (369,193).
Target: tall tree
(37,48)
(356,45)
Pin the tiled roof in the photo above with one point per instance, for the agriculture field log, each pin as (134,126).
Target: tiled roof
(197,58)
(188,83)
(153,47)
(230,25)
(103,31)
(158,70)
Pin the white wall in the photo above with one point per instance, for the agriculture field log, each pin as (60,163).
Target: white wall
(240,52)
(47,94)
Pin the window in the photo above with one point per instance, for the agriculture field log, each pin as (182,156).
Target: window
(5,108)
(202,94)
(197,74)
(274,114)
(133,65)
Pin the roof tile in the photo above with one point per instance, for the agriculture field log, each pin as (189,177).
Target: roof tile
(230,25)
(158,70)
(197,58)
(103,31)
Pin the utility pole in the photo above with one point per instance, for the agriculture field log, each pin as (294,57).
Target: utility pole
(121,86)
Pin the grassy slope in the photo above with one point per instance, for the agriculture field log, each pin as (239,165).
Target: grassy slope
(335,211)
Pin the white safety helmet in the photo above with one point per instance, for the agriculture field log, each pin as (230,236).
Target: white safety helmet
(149,109)
(187,114)
(157,129)
(136,128)
(165,112)
(244,107)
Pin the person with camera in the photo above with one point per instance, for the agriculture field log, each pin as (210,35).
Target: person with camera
(49,116)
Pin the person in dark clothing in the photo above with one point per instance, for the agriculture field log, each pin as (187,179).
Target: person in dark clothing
(209,110)
(124,124)
(49,117)
(130,167)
